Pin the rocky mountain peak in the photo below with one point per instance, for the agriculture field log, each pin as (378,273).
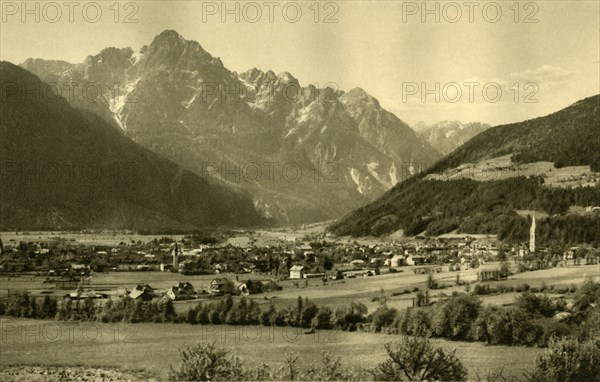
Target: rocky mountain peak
(359,97)
(111,57)
(286,77)
(170,50)
(169,35)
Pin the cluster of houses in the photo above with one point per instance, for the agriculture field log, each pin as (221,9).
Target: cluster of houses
(219,286)
(267,255)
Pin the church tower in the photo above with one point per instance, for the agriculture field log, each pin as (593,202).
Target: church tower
(532,235)
(176,257)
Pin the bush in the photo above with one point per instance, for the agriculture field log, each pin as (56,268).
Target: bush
(504,270)
(551,328)
(568,360)
(431,282)
(524,330)
(422,299)
(332,369)
(590,327)
(493,326)
(588,294)
(536,305)
(415,359)
(414,322)
(323,319)
(481,289)
(205,362)
(455,316)
(383,317)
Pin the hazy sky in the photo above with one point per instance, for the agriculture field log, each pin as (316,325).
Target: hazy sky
(549,50)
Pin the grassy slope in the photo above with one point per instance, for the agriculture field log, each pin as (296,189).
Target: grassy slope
(154,347)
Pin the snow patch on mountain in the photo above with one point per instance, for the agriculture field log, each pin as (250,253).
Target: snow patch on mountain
(305,114)
(117,103)
(355,175)
(372,168)
(136,57)
(392,174)
(187,104)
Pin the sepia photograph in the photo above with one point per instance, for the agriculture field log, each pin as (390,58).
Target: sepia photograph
(311,190)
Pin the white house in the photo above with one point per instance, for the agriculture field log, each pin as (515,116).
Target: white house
(397,261)
(297,272)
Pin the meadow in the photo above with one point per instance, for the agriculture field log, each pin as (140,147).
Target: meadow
(335,293)
(153,348)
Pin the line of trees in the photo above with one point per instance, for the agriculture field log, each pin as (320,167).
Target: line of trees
(244,311)
(530,321)
(462,317)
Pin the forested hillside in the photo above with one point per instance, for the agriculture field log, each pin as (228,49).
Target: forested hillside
(433,207)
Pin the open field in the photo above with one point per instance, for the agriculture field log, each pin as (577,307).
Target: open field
(504,168)
(334,293)
(152,348)
(103,238)
(112,238)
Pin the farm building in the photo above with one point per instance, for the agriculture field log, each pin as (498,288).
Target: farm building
(396,261)
(142,292)
(415,260)
(222,286)
(181,291)
(358,263)
(297,272)
(241,289)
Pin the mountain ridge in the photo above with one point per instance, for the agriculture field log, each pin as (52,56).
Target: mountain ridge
(64,168)
(193,110)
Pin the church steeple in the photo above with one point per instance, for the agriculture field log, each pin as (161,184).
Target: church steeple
(532,235)
(176,257)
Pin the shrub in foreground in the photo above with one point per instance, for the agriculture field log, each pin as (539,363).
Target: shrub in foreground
(416,359)
(206,362)
(568,360)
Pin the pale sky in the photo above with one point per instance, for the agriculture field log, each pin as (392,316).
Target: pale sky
(382,46)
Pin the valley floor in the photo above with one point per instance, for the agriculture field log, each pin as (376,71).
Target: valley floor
(151,349)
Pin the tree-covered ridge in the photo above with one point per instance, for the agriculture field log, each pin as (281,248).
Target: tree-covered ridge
(569,137)
(439,207)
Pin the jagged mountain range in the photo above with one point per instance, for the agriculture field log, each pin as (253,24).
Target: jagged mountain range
(66,168)
(304,154)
